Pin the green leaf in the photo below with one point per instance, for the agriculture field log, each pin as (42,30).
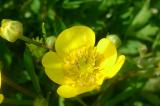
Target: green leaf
(142,17)
(40,101)
(35,6)
(5,54)
(156,42)
(51,14)
(71,5)
(129,91)
(29,66)
(130,47)
(152,98)
(147,32)
(67,4)
(105,4)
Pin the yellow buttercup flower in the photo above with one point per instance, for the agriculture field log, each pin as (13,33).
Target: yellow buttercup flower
(79,66)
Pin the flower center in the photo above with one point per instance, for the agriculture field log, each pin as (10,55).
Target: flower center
(81,67)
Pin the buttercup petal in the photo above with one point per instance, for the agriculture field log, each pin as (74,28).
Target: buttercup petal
(53,67)
(113,70)
(67,91)
(107,50)
(81,90)
(100,76)
(74,37)
(56,75)
(51,60)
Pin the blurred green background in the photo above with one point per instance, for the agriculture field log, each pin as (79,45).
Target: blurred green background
(136,22)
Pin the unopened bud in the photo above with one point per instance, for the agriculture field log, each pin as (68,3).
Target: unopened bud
(11,30)
(115,39)
(50,41)
(142,49)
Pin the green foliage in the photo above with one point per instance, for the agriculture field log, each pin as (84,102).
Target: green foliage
(136,22)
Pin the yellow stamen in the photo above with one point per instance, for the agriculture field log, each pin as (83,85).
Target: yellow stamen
(81,66)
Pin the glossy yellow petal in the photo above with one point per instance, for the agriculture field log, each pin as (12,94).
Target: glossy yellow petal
(53,67)
(85,89)
(107,52)
(67,91)
(113,70)
(56,75)
(100,77)
(74,37)
(1,98)
(51,60)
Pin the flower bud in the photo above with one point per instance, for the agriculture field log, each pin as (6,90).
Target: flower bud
(142,50)
(11,30)
(50,41)
(115,39)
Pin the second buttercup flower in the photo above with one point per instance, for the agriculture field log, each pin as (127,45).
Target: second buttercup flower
(79,66)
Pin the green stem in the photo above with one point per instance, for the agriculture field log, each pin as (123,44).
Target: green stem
(17,87)
(29,65)
(14,102)
(81,101)
(28,40)
(61,101)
